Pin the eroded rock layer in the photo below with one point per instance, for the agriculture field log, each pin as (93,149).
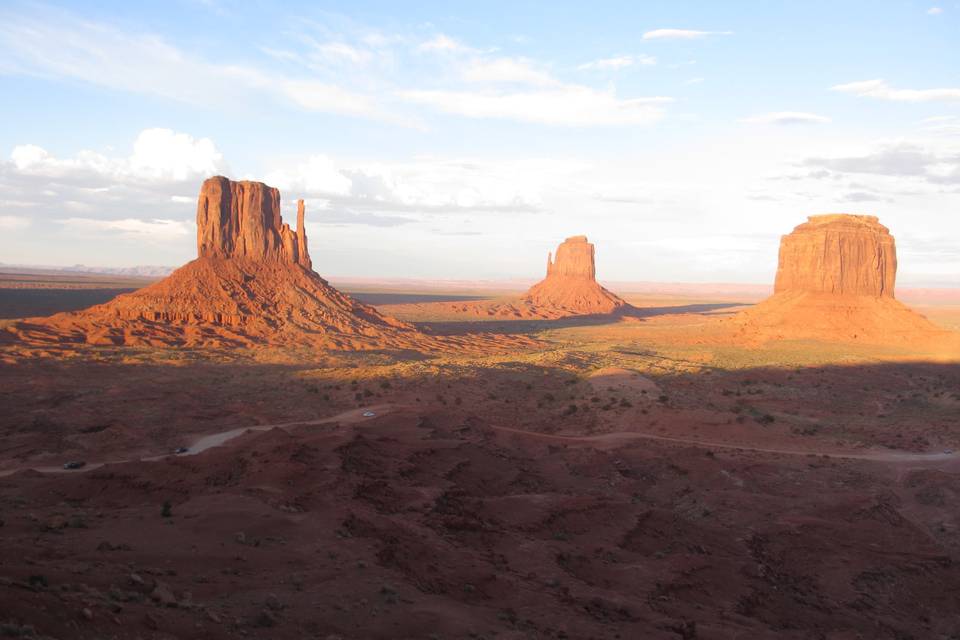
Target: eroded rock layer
(838,254)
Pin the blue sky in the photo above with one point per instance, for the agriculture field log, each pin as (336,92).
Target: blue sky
(464,139)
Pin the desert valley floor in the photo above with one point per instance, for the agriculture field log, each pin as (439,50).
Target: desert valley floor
(613,477)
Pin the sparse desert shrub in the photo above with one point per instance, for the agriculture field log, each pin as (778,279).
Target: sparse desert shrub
(166,511)
(663,399)
(570,410)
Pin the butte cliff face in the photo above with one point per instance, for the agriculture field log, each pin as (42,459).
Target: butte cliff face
(242,220)
(835,280)
(576,259)
(839,254)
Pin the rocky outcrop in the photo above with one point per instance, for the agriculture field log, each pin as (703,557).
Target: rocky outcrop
(571,286)
(242,220)
(841,254)
(575,259)
(835,282)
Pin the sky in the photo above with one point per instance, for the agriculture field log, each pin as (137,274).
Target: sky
(465,140)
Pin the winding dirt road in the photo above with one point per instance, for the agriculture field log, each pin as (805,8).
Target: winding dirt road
(356,416)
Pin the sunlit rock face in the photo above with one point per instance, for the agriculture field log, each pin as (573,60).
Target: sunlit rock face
(842,254)
(242,220)
(571,286)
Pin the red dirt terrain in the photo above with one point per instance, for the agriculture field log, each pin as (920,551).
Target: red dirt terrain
(265,457)
(426,521)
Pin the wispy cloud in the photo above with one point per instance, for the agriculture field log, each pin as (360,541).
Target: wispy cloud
(444,43)
(619,62)
(567,105)
(682,34)
(880,90)
(155,229)
(934,11)
(506,71)
(903,160)
(786,118)
(59,45)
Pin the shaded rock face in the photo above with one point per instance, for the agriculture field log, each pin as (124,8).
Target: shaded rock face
(847,255)
(575,259)
(242,220)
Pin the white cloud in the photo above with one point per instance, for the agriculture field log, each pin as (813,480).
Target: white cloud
(158,155)
(942,125)
(343,51)
(443,43)
(12,223)
(681,34)
(317,175)
(881,90)
(155,229)
(506,71)
(786,118)
(902,160)
(934,11)
(618,62)
(166,154)
(566,105)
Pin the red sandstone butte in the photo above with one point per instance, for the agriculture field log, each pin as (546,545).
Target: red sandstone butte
(571,286)
(252,283)
(838,254)
(835,281)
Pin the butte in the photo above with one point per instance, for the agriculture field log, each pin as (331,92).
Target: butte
(252,284)
(570,288)
(835,282)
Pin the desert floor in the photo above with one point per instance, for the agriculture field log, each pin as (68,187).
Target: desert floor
(622,478)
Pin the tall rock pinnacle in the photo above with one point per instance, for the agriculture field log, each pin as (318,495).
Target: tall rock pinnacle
(848,255)
(242,220)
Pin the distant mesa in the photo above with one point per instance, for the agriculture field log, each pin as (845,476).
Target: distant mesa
(570,288)
(835,281)
(252,284)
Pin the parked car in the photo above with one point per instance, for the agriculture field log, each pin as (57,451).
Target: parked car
(74,464)
(181,450)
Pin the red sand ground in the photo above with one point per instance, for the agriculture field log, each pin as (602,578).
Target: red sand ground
(621,479)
